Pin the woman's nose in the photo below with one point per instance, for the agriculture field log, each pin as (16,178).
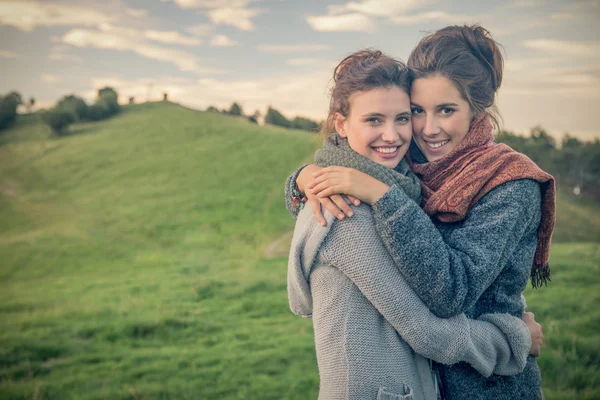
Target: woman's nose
(431,127)
(389,133)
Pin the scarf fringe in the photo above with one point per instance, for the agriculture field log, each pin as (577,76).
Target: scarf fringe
(540,275)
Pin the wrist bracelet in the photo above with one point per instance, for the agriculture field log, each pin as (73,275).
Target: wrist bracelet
(298,200)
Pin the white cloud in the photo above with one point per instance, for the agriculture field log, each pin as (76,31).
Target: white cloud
(7,54)
(61,53)
(303,61)
(360,16)
(565,48)
(26,16)
(240,18)
(528,3)
(172,37)
(354,22)
(563,17)
(226,12)
(120,40)
(136,12)
(212,3)
(292,48)
(382,8)
(200,30)
(50,79)
(293,93)
(438,16)
(222,41)
(169,37)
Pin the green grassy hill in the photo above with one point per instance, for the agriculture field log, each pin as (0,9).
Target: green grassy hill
(133,265)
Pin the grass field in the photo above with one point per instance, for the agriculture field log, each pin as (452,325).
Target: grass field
(134,267)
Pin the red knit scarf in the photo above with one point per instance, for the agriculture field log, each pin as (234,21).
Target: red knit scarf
(453,184)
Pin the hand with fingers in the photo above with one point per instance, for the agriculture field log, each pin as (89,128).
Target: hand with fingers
(537,336)
(334,180)
(336,204)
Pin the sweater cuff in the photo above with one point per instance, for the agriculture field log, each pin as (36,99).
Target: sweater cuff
(389,203)
(289,189)
(518,337)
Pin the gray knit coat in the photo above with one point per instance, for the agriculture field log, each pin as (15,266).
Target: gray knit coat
(477,266)
(373,334)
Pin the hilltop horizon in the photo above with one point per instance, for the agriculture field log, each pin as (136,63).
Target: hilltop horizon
(282,52)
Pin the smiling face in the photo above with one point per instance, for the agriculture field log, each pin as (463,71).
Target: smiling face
(440,116)
(378,124)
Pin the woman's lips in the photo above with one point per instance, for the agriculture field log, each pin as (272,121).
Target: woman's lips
(387,151)
(436,146)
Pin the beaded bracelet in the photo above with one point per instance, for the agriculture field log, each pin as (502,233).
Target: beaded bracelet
(298,200)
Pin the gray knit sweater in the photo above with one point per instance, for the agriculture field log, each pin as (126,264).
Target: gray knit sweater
(373,334)
(479,265)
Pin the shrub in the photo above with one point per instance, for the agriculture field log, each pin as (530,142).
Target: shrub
(235,109)
(8,109)
(59,120)
(96,112)
(304,124)
(109,100)
(212,109)
(274,117)
(76,105)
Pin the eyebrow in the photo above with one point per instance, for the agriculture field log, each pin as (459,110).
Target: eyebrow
(447,105)
(381,115)
(438,106)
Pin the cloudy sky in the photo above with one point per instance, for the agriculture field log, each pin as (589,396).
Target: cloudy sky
(282,52)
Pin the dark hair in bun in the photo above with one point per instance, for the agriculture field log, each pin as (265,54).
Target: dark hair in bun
(469,57)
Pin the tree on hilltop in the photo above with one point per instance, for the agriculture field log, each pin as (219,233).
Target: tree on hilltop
(304,124)
(8,109)
(254,117)
(59,120)
(235,109)
(76,105)
(274,117)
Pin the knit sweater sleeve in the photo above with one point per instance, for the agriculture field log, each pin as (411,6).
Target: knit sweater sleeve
(496,343)
(450,273)
(290,183)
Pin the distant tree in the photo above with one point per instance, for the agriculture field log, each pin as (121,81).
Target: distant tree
(108,91)
(108,100)
(8,109)
(15,97)
(131,100)
(212,109)
(165,96)
(235,109)
(516,142)
(59,120)
(274,117)
(304,124)
(29,104)
(75,105)
(97,112)
(254,117)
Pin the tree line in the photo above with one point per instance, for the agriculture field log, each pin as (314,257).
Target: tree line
(68,110)
(72,109)
(574,163)
(272,117)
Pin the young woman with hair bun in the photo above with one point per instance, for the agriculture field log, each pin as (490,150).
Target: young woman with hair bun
(374,337)
(487,211)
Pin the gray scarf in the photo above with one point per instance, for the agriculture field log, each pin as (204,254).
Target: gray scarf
(337,151)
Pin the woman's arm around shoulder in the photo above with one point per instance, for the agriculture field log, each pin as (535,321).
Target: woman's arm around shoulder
(450,273)
(496,344)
